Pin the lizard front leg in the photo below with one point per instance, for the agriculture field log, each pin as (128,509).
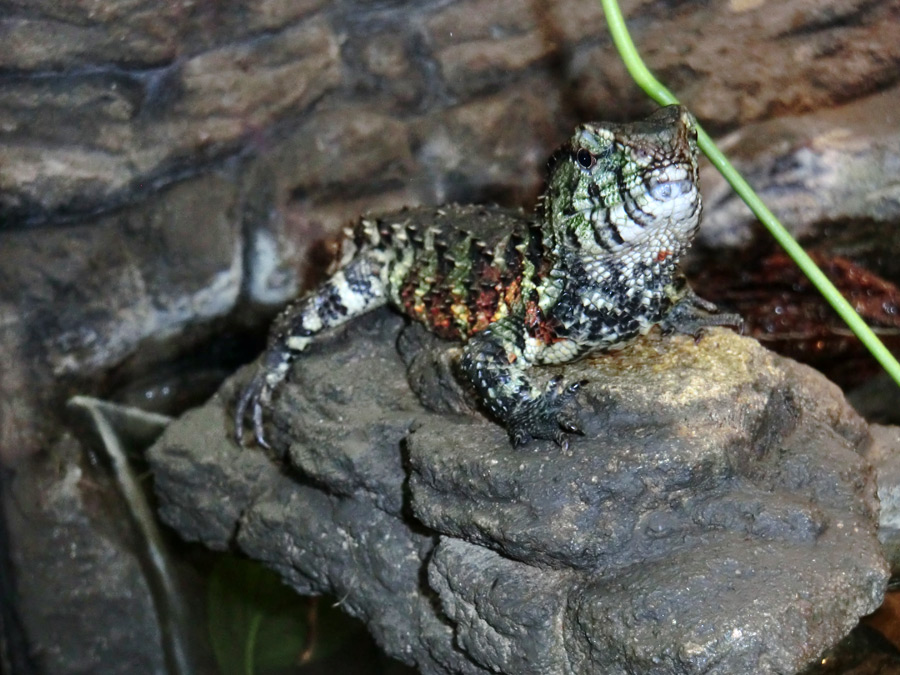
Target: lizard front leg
(494,362)
(350,292)
(690,314)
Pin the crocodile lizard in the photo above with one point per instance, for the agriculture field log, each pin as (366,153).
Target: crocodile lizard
(594,267)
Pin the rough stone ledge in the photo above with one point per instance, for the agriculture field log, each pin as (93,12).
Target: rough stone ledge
(717,517)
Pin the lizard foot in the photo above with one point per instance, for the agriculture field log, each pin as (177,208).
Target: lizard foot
(546,416)
(256,395)
(692,314)
(253,396)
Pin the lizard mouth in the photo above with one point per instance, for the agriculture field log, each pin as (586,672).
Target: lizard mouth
(658,190)
(660,202)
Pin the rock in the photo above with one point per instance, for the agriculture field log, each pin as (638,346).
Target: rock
(717,516)
(796,57)
(828,176)
(100,136)
(882,453)
(95,294)
(63,539)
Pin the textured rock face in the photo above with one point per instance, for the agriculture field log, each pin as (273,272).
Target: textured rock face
(716,518)
(125,638)
(108,101)
(829,177)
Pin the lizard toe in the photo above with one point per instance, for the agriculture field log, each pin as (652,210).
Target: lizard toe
(547,416)
(251,401)
(518,436)
(568,422)
(246,399)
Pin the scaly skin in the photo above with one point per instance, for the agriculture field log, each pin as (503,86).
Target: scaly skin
(593,269)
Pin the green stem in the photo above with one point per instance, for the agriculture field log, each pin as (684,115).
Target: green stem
(663,96)
(250,646)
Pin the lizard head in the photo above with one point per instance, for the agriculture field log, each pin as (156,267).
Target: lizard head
(616,186)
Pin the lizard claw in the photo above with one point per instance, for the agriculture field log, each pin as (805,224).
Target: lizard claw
(569,423)
(518,436)
(546,416)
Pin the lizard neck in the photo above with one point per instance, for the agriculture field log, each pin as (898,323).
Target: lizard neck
(653,258)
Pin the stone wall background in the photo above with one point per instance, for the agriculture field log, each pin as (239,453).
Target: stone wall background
(169,167)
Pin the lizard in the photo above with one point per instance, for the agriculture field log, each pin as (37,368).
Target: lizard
(594,267)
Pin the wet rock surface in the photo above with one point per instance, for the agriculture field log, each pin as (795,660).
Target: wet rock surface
(717,516)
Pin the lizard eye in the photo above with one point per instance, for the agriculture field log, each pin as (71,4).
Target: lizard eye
(585,158)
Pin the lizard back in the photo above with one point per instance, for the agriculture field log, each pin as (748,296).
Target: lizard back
(456,269)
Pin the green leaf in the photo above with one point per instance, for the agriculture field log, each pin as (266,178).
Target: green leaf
(256,623)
